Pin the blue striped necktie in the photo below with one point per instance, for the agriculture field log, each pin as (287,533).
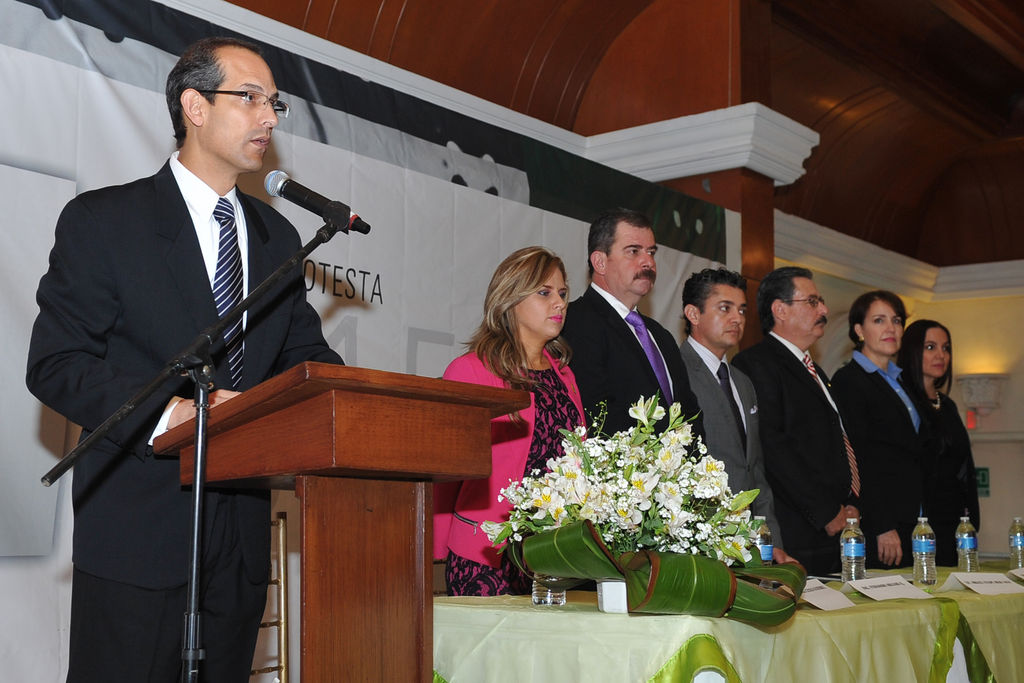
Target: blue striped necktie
(227,284)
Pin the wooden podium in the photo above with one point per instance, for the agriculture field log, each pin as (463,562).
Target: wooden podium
(361,448)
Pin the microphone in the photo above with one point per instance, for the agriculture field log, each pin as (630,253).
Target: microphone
(278,184)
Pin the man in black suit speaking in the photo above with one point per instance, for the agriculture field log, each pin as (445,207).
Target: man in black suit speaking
(812,470)
(618,354)
(135,273)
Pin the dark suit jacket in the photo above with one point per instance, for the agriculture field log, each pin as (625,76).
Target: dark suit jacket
(949,486)
(126,291)
(745,467)
(890,454)
(610,365)
(805,459)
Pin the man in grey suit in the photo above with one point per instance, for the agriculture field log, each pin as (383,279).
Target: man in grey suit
(715,306)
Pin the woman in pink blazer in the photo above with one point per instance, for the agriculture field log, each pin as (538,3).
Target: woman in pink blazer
(517,345)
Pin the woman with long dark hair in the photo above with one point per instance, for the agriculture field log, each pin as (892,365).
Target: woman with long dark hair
(950,489)
(517,345)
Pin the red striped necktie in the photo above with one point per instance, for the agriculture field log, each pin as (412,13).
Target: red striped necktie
(854,473)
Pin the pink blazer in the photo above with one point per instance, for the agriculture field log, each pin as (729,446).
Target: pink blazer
(476,500)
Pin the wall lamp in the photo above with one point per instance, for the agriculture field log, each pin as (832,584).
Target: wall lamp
(981,392)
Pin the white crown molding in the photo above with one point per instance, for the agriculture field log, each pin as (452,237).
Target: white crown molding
(745,136)
(980,280)
(829,251)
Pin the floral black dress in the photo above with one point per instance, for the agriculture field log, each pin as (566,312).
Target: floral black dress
(553,410)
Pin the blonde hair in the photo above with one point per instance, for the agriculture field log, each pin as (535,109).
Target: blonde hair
(496,342)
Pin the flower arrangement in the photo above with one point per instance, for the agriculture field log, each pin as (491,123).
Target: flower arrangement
(653,510)
(639,489)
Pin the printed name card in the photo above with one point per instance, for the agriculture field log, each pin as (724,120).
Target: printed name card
(981,582)
(823,597)
(885,588)
(1019,573)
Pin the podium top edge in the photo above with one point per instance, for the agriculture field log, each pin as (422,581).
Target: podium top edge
(309,379)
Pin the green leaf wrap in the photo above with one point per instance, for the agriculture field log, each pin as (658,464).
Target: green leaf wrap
(660,582)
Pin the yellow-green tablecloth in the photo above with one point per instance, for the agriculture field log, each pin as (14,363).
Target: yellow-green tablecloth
(508,639)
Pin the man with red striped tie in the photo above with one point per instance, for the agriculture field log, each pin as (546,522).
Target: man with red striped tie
(808,459)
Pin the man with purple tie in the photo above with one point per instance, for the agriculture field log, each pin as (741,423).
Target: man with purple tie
(618,354)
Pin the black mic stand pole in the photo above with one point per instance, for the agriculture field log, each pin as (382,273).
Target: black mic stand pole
(195,361)
(192,651)
(192,637)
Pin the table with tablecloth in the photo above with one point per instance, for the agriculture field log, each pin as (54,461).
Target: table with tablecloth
(507,638)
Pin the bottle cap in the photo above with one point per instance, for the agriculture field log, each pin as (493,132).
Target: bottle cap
(851,520)
(922,519)
(761,517)
(965,519)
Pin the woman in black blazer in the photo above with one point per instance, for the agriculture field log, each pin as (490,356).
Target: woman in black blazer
(883,424)
(950,488)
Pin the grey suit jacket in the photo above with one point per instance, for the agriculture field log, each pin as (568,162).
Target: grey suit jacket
(745,468)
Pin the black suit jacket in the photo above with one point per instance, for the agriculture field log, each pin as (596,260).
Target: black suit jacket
(611,366)
(805,458)
(949,486)
(126,290)
(890,454)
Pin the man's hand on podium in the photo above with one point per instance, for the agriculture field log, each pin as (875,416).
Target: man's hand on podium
(184,410)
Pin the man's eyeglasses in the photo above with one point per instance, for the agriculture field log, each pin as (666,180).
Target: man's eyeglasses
(257,99)
(812,301)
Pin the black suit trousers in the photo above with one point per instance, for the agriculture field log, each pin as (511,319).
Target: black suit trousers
(129,634)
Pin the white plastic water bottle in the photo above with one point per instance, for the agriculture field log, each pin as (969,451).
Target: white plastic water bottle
(851,550)
(1017,543)
(966,546)
(763,540)
(923,546)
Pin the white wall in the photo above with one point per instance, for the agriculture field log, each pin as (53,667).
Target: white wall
(987,338)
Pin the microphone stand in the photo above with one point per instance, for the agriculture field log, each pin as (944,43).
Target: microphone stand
(196,362)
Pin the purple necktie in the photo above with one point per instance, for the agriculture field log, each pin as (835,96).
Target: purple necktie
(653,356)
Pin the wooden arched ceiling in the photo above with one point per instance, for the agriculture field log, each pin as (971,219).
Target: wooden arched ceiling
(915,103)
(533,57)
(922,148)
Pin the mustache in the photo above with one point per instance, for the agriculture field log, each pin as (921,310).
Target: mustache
(823,320)
(646,274)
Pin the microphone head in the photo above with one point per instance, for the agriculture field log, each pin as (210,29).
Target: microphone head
(275,180)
